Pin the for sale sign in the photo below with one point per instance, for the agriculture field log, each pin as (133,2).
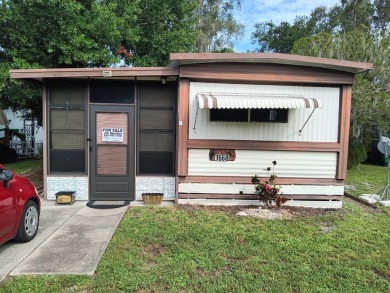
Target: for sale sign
(112,134)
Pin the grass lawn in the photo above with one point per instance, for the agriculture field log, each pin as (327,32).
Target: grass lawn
(30,168)
(24,165)
(365,179)
(182,250)
(174,249)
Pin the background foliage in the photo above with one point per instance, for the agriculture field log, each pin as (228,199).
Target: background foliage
(356,30)
(90,33)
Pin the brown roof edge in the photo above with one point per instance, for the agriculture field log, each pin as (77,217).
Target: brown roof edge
(39,74)
(178,59)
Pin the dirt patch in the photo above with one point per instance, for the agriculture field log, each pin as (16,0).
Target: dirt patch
(254,211)
(267,214)
(285,212)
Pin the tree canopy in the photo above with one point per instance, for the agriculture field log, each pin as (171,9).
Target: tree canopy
(356,30)
(371,91)
(216,27)
(91,33)
(342,17)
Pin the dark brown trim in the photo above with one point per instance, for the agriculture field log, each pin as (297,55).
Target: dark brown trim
(247,180)
(92,72)
(335,64)
(345,114)
(264,145)
(254,197)
(270,73)
(176,189)
(45,141)
(183,108)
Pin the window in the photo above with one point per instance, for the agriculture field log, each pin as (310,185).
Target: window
(229,115)
(66,126)
(269,115)
(112,91)
(251,115)
(156,129)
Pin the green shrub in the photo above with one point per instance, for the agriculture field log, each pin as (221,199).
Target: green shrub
(357,153)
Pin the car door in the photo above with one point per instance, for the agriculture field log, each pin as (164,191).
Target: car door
(7,208)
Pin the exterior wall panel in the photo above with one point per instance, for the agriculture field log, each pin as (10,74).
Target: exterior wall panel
(166,185)
(79,185)
(322,126)
(249,162)
(209,188)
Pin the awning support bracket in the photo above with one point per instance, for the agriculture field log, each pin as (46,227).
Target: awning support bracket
(300,130)
(196,117)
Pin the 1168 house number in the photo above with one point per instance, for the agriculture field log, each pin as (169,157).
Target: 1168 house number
(222,155)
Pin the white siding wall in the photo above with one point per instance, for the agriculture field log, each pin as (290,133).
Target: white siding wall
(210,188)
(322,126)
(250,162)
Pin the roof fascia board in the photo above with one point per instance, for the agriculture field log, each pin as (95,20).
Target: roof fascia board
(92,72)
(179,59)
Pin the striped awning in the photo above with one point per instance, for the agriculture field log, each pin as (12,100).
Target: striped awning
(255,101)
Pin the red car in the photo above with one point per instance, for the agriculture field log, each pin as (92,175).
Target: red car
(19,207)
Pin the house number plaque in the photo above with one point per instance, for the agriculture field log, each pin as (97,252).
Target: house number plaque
(222,155)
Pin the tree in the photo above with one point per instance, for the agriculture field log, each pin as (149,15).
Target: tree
(90,33)
(371,91)
(280,38)
(342,17)
(162,27)
(381,15)
(216,27)
(52,33)
(351,14)
(59,33)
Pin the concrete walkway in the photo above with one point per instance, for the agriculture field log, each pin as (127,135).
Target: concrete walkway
(71,240)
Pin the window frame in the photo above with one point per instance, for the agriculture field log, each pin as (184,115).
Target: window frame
(68,107)
(172,108)
(249,119)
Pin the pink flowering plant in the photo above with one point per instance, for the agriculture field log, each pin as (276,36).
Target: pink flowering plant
(268,191)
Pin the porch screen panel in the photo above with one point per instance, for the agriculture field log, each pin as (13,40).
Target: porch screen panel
(156,129)
(67,126)
(111,150)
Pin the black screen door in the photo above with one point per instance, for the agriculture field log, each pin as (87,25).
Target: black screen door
(111,146)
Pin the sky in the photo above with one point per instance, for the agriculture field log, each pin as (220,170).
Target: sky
(255,11)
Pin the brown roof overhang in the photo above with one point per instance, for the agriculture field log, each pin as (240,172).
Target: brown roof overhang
(179,59)
(80,73)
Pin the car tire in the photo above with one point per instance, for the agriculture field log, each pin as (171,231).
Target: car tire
(29,222)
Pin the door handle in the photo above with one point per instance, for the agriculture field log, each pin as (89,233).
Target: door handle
(90,145)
